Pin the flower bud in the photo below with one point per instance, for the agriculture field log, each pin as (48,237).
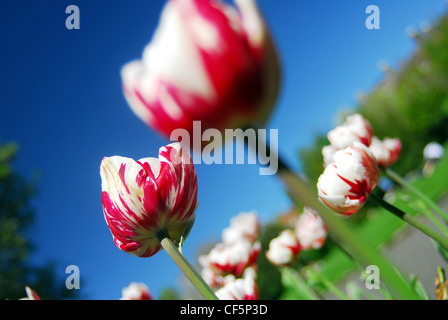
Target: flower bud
(245,226)
(143,198)
(311,230)
(355,128)
(31,294)
(346,183)
(240,289)
(284,250)
(136,291)
(233,258)
(386,152)
(213,279)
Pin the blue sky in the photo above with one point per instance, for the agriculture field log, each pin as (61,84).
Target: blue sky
(62,102)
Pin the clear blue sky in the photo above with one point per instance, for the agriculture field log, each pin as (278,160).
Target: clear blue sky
(62,102)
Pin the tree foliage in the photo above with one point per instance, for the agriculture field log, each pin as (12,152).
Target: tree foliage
(16,223)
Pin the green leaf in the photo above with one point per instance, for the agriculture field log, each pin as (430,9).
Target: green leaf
(296,286)
(353,291)
(443,251)
(418,287)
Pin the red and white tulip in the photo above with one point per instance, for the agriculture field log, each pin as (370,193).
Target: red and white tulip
(207,62)
(346,184)
(31,294)
(213,279)
(136,291)
(387,151)
(284,250)
(145,197)
(311,230)
(355,129)
(244,288)
(233,258)
(245,226)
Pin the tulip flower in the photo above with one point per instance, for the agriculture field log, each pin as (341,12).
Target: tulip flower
(233,258)
(386,152)
(245,226)
(143,198)
(31,294)
(136,291)
(207,62)
(244,288)
(283,250)
(311,230)
(213,279)
(346,184)
(355,128)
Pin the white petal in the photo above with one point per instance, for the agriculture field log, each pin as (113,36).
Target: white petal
(164,58)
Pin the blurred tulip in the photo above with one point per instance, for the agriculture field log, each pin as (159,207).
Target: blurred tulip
(386,152)
(311,230)
(284,250)
(31,294)
(245,226)
(136,291)
(233,258)
(143,198)
(244,288)
(206,62)
(345,184)
(433,151)
(213,279)
(355,128)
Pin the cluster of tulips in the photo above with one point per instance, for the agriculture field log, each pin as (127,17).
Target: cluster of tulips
(310,232)
(230,268)
(352,163)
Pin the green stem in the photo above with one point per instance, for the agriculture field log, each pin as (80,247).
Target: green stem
(411,220)
(330,286)
(185,266)
(432,217)
(301,192)
(398,179)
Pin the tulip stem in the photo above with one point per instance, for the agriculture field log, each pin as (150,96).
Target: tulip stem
(403,183)
(411,220)
(185,266)
(302,192)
